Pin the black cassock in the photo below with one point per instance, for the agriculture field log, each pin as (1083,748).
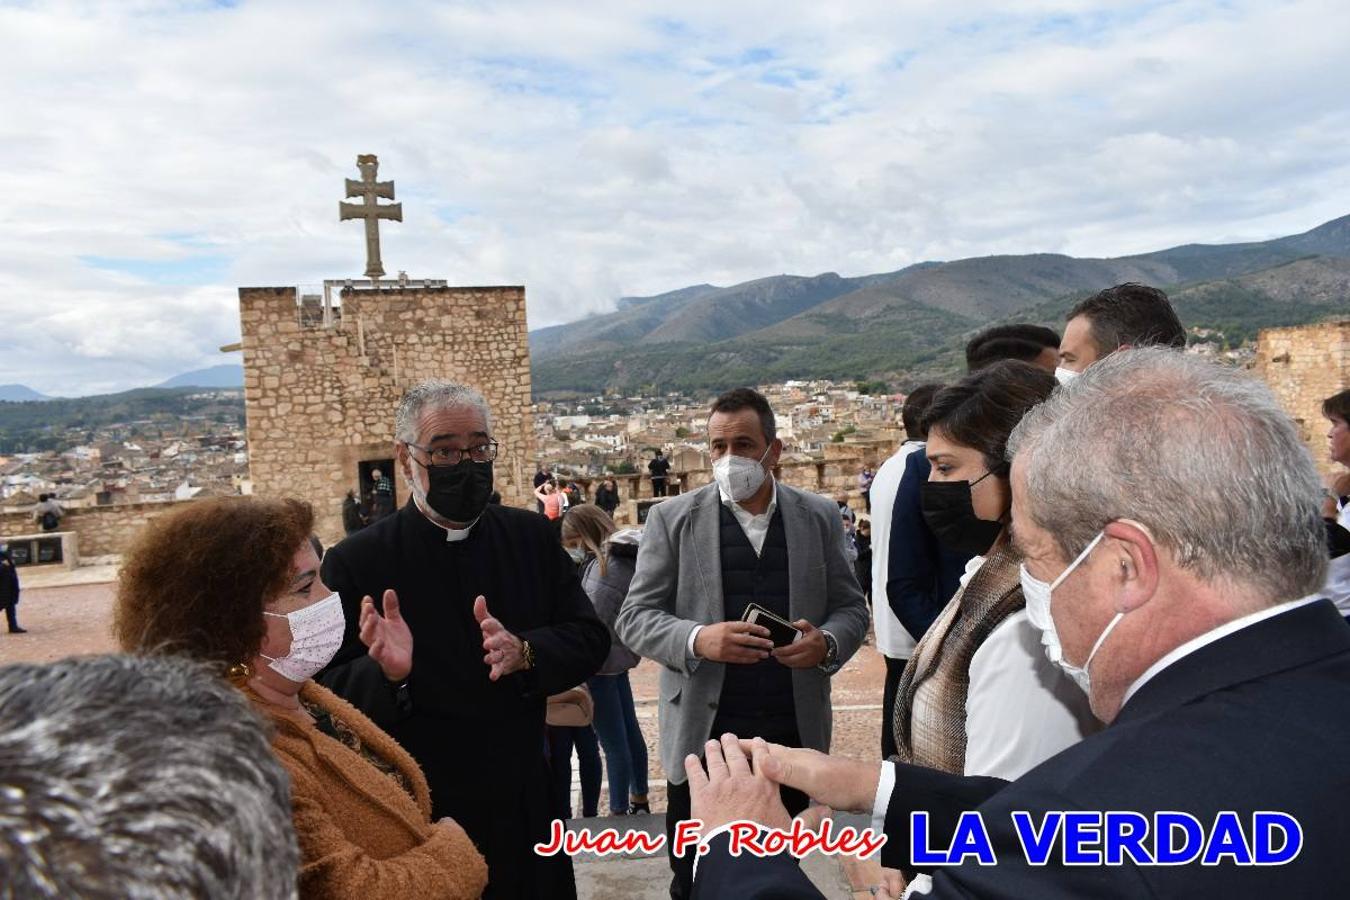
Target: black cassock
(481,744)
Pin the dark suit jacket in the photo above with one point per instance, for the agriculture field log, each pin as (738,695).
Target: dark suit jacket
(921,575)
(1257,720)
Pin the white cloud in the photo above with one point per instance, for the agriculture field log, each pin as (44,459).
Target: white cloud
(598,149)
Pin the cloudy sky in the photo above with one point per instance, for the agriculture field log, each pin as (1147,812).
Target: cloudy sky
(154,156)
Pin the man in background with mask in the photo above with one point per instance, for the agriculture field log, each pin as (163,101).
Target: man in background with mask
(500,622)
(1169,569)
(708,554)
(1118,318)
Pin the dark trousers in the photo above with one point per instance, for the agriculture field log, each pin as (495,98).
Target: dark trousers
(894,669)
(12,615)
(677,810)
(658,486)
(561,739)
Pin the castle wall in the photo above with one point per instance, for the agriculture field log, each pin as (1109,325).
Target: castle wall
(320,399)
(1303,366)
(102,530)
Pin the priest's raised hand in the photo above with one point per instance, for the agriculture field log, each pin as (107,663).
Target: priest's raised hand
(502,650)
(387,637)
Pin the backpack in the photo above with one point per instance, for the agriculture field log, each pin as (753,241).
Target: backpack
(50,520)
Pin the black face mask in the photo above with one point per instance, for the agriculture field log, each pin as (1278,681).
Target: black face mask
(948,510)
(459,492)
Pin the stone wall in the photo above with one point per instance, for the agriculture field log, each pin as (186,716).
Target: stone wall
(102,530)
(1303,366)
(320,399)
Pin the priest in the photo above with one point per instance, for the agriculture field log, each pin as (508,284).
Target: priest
(499,622)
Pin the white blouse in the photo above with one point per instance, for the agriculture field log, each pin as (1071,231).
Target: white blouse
(1021,709)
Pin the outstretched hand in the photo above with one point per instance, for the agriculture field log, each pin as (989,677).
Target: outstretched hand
(502,650)
(836,781)
(387,636)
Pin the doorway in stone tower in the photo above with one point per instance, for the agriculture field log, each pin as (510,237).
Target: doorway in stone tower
(378,494)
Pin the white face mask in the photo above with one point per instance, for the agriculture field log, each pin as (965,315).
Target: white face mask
(316,635)
(1064,376)
(1037,595)
(739,477)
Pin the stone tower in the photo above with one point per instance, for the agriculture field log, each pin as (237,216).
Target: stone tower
(323,378)
(1303,366)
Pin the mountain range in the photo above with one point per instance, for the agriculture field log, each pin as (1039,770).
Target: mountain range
(910,325)
(225,376)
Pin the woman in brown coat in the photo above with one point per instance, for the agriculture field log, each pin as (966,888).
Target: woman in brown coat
(235,582)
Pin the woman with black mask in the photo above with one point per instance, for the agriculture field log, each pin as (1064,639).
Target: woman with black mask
(979,696)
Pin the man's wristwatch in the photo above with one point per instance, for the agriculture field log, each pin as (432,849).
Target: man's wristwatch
(527,653)
(831,663)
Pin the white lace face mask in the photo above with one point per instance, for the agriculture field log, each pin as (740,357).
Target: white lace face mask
(739,477)
(316,635)
(1064,376)
(1037,595)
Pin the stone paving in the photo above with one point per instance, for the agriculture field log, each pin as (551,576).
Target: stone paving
(73,616)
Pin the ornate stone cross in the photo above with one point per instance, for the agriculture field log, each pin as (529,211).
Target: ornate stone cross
(370,210)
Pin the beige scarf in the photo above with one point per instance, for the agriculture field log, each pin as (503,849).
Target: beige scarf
(942,658)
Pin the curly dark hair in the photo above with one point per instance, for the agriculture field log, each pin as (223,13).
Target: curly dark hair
(197,579)
(981,410)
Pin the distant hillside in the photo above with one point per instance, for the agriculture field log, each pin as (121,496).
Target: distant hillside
(19,393)
(225,376)
(910,324)
(32,427)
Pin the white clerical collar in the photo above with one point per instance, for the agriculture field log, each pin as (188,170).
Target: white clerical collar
(741,510)
(1210,637)
(452,535)
(455,535)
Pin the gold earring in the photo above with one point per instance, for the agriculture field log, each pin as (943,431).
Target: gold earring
(239,673)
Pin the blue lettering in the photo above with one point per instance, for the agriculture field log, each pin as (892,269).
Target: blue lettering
(1082,828)
(918,842)
(1264,824)
(972,840)
(1227,839)
(1125,833)
(1036,845)
(1165,825)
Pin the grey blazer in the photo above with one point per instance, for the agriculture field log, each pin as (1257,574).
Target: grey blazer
(678,584)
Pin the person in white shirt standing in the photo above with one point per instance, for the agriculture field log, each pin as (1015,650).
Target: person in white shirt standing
(895,643)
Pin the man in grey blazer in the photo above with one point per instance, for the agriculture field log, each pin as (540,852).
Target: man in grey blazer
(704,556)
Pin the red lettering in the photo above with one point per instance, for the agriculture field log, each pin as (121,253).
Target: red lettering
(607,842)
(686,835)
(774,841)
(555,840)
(869,842)
(743,838)
(646,843)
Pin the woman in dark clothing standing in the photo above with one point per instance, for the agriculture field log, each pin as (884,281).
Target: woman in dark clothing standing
(611,557)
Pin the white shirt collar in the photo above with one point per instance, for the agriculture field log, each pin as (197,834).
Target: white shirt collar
(740,511)
(1210,637)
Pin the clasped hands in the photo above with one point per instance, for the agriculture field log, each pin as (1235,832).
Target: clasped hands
(742,778)
(741,642)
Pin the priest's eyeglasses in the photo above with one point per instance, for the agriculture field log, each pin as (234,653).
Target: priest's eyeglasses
(451,456)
